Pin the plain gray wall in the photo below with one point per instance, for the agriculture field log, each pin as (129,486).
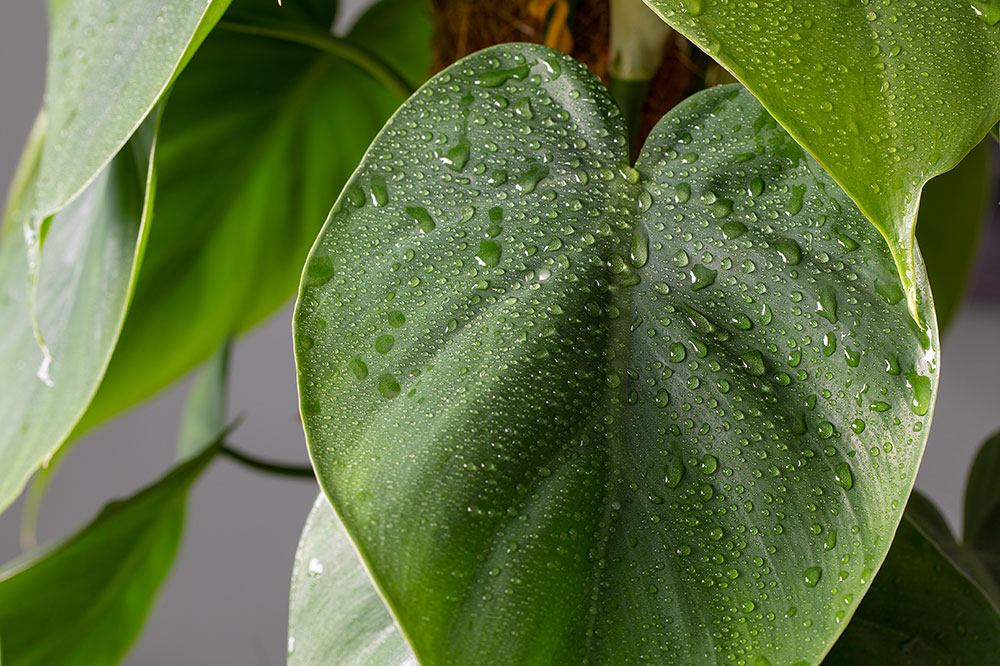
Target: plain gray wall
(225,601)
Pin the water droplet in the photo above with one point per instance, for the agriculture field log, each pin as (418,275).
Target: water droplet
(702,277)
(423,219)
(388,386)
(489,253)
(384,343)
(843,476)
(826,306)
(673,472)
(662,398)
(358,367)
(499,77)
(396,319)
(789,250)
(709,464)
(921,389)
(811,576)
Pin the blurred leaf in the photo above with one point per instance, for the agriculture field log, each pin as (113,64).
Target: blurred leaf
(921,611)
(536,381)
(952,211)
(884,96)
(204,416)
(88,273)
(335,614)
(109,62)
(981,532)
(83,601)
(258,136)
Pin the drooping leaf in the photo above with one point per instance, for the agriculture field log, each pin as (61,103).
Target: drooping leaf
(952,210)
(884,95)
(335,614)
(258,136)
(87,276)
(921,611)
(204,417)
(109,62)
(83,601)
(573,411)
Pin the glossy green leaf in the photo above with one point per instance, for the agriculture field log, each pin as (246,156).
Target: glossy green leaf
(335,614)
(572,411)
(87,276)
(204,416)
(953,208)
(921,611)
(109,63)
(258,136)
(884,95)
(83,601)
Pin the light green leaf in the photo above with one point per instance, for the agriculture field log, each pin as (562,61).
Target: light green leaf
(204,416)
(109,63)
(885,96)
(83,601)
(573,411)
(921,611)
(335,615)
(258,136)
(88,272)
(952,210)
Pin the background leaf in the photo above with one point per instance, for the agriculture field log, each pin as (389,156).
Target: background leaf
(953,208)
(88,272)
(258,136)
(921,610)
(885,96)
(84,601)
(981,533)
(335,615)
(109,63)
(573,411)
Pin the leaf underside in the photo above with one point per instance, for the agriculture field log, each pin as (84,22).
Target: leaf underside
(335,615)
(87,274)
(884,95)
(572,411)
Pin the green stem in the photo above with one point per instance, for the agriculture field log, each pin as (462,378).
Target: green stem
(631,99)
(368,62)
(295,471)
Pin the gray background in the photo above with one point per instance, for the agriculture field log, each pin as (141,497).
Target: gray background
(225,601)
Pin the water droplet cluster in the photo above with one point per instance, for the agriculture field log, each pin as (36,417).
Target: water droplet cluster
(632,410)
(887,94)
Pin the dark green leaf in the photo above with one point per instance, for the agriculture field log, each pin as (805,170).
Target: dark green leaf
(258,136)
(335,615)
(884,95)
(952,210)
(83,601)
(921,611)
(573,411)
(87,277)
(981,532)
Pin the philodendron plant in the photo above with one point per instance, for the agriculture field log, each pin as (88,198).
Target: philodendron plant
(565,405)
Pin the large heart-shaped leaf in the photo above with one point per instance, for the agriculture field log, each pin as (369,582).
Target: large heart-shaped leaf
(109,62)
(885,95)
(335,615)
(572,411)
(922,610)
(88,272)
(257,136)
